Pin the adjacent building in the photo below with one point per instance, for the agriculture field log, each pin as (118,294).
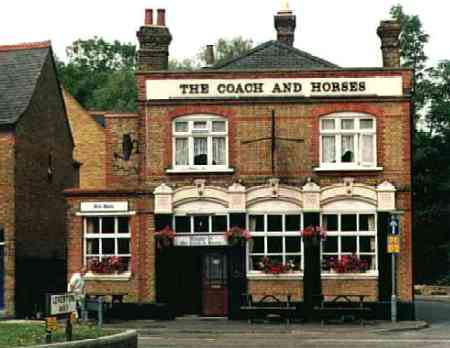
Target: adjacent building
(36,166)
(273,141)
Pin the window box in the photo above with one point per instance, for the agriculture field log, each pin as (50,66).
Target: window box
(120,277)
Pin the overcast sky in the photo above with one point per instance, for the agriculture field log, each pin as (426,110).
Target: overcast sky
(341,31)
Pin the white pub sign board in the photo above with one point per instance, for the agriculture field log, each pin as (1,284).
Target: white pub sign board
(105,207)
(383,86)
(62,304)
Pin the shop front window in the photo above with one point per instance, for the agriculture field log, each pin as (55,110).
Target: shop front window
(276,238)
(106,239)
(350,237)
(200,224)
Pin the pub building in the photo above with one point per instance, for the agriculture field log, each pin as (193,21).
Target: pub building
(273,142)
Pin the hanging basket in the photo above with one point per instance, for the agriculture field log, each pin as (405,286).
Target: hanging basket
(165,238)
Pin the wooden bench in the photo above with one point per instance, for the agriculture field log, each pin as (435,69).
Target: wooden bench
(342,306)
(267,306)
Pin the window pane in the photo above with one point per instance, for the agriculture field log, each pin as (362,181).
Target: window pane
(370,260)
(330,245)
(108,246)
(123,225)
(108,225)
(274,244)
(200,151)
(348,244)
(124,246)
(181,152)
(365,124)
(274,223)
(348,223)
(366,222)
(93,225)
(256,223)
(218,126)
(181,127)
(329,149)
(330,222)
(200,125)
(327,261)
(328,124)
(201,224)
(257,245)
(218,151)
(182,224)
(367,244)
(92,246)
(367,150)
(293,244)
(219,223)
(256,263)
(292,223)
(348,124)
(348,149)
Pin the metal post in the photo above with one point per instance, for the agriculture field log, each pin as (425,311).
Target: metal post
(394,292)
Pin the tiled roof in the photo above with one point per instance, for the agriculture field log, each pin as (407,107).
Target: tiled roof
(20,68)
(275,55)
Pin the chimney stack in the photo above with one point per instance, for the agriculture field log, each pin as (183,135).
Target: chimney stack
(389,32)
(154,41)
(209,58)
(285,24)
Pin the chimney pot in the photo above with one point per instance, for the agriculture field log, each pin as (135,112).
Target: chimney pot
(148,17)
(285,24)
(161,17)
(210,59)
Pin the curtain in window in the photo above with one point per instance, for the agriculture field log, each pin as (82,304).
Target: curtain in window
(181,152)
(200,151)
(371,223)
(219,151)
(367,150)
(252,227)
(328,149)
(348,149)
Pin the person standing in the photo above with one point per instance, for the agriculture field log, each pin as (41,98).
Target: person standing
(77,286)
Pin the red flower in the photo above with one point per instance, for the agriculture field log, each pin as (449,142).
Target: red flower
(314,231)
(236,234)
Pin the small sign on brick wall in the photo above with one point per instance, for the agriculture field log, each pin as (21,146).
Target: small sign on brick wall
(105,207)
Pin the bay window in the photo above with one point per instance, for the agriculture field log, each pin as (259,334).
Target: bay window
(347,141)
(200,143)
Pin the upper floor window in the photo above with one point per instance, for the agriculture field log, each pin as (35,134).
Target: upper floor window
(347,141)
(200,142)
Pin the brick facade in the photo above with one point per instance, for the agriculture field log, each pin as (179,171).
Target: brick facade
(150,165)
(37,165)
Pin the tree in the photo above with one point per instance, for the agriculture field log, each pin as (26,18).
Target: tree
(100,74)
(228,49)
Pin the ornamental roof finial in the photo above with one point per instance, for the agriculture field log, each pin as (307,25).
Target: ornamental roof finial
(285,7)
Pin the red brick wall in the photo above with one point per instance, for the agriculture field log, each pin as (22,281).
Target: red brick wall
(7,218)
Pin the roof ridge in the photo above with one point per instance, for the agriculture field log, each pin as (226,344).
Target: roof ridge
(245,54)
(304,53)
(25,46)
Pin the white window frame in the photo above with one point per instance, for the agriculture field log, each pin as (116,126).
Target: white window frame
(282,234)
(357,132)
(339,234)
(116,236)
(200,133)
(192,216)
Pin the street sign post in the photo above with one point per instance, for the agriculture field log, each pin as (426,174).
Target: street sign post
(60,307)
(393,249)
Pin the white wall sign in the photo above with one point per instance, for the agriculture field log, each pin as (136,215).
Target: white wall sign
(103,206)
(62,304)
(215,240)
(293,87)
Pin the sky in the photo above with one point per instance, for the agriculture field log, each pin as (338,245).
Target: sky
(341,31)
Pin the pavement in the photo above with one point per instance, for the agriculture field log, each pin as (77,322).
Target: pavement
(194,325)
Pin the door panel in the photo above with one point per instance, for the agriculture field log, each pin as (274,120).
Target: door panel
(215,284)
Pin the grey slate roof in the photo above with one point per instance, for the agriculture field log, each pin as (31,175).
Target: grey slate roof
(19,72)
(275,55)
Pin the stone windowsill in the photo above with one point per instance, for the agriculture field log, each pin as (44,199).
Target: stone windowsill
(122,277)
(348,169)
(299,276)
(202,170)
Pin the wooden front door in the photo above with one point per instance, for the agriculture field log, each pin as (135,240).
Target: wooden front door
(215,284)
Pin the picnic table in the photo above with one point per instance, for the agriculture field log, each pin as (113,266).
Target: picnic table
(343,305)
(268,305)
